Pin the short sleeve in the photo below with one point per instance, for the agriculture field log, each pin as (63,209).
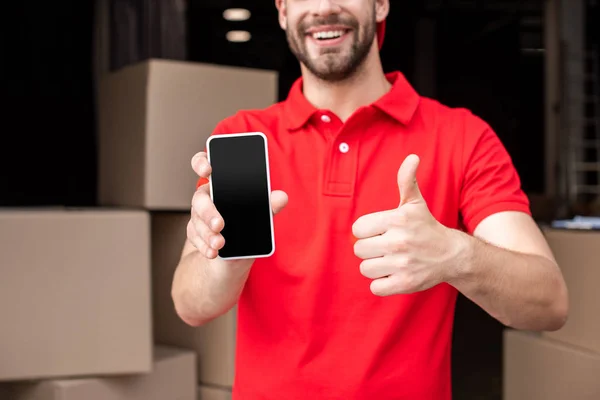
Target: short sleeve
(491,183)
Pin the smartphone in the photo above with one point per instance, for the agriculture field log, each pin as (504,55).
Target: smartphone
(240,188)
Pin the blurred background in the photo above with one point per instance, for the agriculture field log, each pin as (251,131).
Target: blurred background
(105,102)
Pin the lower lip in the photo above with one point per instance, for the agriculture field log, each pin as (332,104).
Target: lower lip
(329,42)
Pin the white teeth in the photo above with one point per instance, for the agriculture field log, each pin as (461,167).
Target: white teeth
(328,35)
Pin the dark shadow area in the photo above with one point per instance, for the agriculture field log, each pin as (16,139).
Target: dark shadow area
(47,105)
(484,65)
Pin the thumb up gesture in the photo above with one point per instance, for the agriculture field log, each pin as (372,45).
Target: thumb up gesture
(405,250)
(407,183)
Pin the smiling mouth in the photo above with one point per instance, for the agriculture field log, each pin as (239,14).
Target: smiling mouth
(329,35)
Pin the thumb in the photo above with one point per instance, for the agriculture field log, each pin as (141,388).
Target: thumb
(279,200)
(407,181)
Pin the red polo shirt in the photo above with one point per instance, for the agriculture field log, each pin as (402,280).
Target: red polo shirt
(308,326)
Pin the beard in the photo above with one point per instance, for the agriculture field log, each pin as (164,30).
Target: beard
(335,63)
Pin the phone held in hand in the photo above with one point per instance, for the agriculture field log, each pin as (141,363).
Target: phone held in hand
(240,188)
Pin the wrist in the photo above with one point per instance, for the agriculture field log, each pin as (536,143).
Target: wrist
(462,247)
(223,282)
(228,269)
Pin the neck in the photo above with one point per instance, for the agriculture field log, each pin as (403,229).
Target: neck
(343,98)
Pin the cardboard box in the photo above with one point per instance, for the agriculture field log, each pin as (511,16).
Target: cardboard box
(540,368)
(172,378)
(214,343)
(578,254)
(213,393)
(74,293)
(154,116)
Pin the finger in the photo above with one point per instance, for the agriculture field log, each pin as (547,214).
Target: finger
(279,200)
(199,243)
(397,283)
(407,180)
(372,224)
(373,247)
(384,286)
(212,239)
(375,268)
(204,208)
(200,165)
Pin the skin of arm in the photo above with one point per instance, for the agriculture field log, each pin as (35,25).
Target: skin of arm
(508,269)
(204,289)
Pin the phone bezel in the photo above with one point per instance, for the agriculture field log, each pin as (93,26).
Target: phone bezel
(266,154)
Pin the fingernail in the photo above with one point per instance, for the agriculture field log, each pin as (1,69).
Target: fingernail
(214,223)
(213,242)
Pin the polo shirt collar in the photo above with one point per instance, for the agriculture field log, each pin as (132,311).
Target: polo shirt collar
(400,102)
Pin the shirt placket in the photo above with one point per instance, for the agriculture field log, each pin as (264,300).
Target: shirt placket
(342,158)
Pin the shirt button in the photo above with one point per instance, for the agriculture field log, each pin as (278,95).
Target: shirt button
(325,118)
(344,147)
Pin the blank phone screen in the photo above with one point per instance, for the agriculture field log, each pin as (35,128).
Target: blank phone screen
(240,190)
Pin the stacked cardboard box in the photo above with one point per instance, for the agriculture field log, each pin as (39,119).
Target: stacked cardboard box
(75,300)
(85,293)
(563,364)
(156,115)
(210,393)
(214,343)
(74,293)
(172,377)
(145,162)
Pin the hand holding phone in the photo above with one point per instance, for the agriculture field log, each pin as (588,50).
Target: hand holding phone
(232,216)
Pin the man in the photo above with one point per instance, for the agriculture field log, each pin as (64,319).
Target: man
(396,203)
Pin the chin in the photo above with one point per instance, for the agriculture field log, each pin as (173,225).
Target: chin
(334,68)
(331,75)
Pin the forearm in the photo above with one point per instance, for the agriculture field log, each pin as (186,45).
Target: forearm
(522,291)
(206,289)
